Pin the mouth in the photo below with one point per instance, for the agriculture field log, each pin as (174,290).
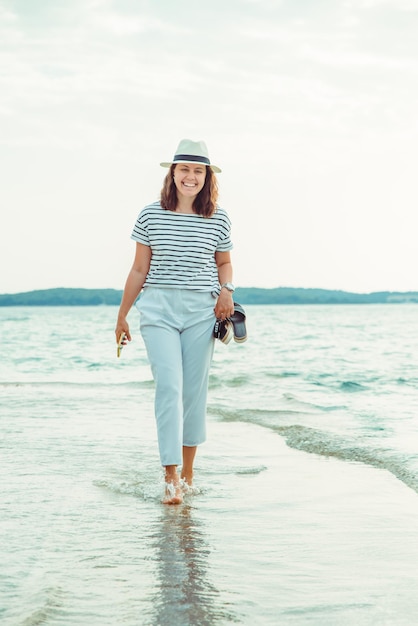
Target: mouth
(191,185)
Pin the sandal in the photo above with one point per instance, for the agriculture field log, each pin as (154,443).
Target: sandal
(223,331)
(238,322)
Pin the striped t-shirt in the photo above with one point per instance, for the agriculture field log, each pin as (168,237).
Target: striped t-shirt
(183,246)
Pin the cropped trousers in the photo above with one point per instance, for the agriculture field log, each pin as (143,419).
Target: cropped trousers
(177,328)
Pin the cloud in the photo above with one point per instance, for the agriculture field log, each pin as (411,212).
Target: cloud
(122,26)
(310,107)
(394,5)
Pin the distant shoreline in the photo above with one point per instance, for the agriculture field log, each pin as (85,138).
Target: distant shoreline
(62,296)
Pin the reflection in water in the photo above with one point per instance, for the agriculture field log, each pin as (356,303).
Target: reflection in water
(184,596)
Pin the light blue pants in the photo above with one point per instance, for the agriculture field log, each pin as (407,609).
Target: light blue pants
(177,328)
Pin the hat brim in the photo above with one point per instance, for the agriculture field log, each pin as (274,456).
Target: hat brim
(215,168)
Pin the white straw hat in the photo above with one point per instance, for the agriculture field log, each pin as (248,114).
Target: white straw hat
(189,151)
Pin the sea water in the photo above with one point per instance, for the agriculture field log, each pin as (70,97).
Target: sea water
(305,509)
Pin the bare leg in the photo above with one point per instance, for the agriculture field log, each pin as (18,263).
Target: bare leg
(173,492)
(189,453)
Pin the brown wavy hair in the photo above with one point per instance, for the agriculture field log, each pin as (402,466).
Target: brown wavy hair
(206,200)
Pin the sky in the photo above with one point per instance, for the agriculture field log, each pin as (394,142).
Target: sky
(310,107)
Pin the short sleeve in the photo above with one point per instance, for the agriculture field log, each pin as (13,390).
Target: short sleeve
(140,231)
(224,243)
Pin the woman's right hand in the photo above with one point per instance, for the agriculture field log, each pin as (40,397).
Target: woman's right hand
(122,326)
(133,286)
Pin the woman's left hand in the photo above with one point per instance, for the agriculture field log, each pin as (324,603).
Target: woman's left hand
(225,305)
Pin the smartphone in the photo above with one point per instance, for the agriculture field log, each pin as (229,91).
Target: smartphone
(120,343)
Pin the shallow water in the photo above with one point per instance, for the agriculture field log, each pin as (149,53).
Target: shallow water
(307,510)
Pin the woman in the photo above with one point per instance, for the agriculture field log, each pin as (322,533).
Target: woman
(182,263)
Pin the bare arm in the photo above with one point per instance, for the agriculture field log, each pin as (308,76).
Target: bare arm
(133,286)
(225,305)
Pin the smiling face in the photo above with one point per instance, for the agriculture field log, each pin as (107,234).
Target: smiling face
(189,178)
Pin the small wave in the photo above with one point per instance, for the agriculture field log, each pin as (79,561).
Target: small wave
(248,471)
(262,417)
(225,381)
(331,407)
(237,381)
(143,384)
(145,491)
(352,386)
(275,374)
(324,443)
(151,491)
(330,445)
(294,401)
(326,609)
(411,382)
(53,603)
(17,318)
(328,382)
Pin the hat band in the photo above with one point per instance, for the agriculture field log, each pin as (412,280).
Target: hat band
(190,158)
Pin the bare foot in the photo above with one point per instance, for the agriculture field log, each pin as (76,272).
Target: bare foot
(173,493)
(186,481)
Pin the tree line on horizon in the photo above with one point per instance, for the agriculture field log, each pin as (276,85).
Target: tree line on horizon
(63,296)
